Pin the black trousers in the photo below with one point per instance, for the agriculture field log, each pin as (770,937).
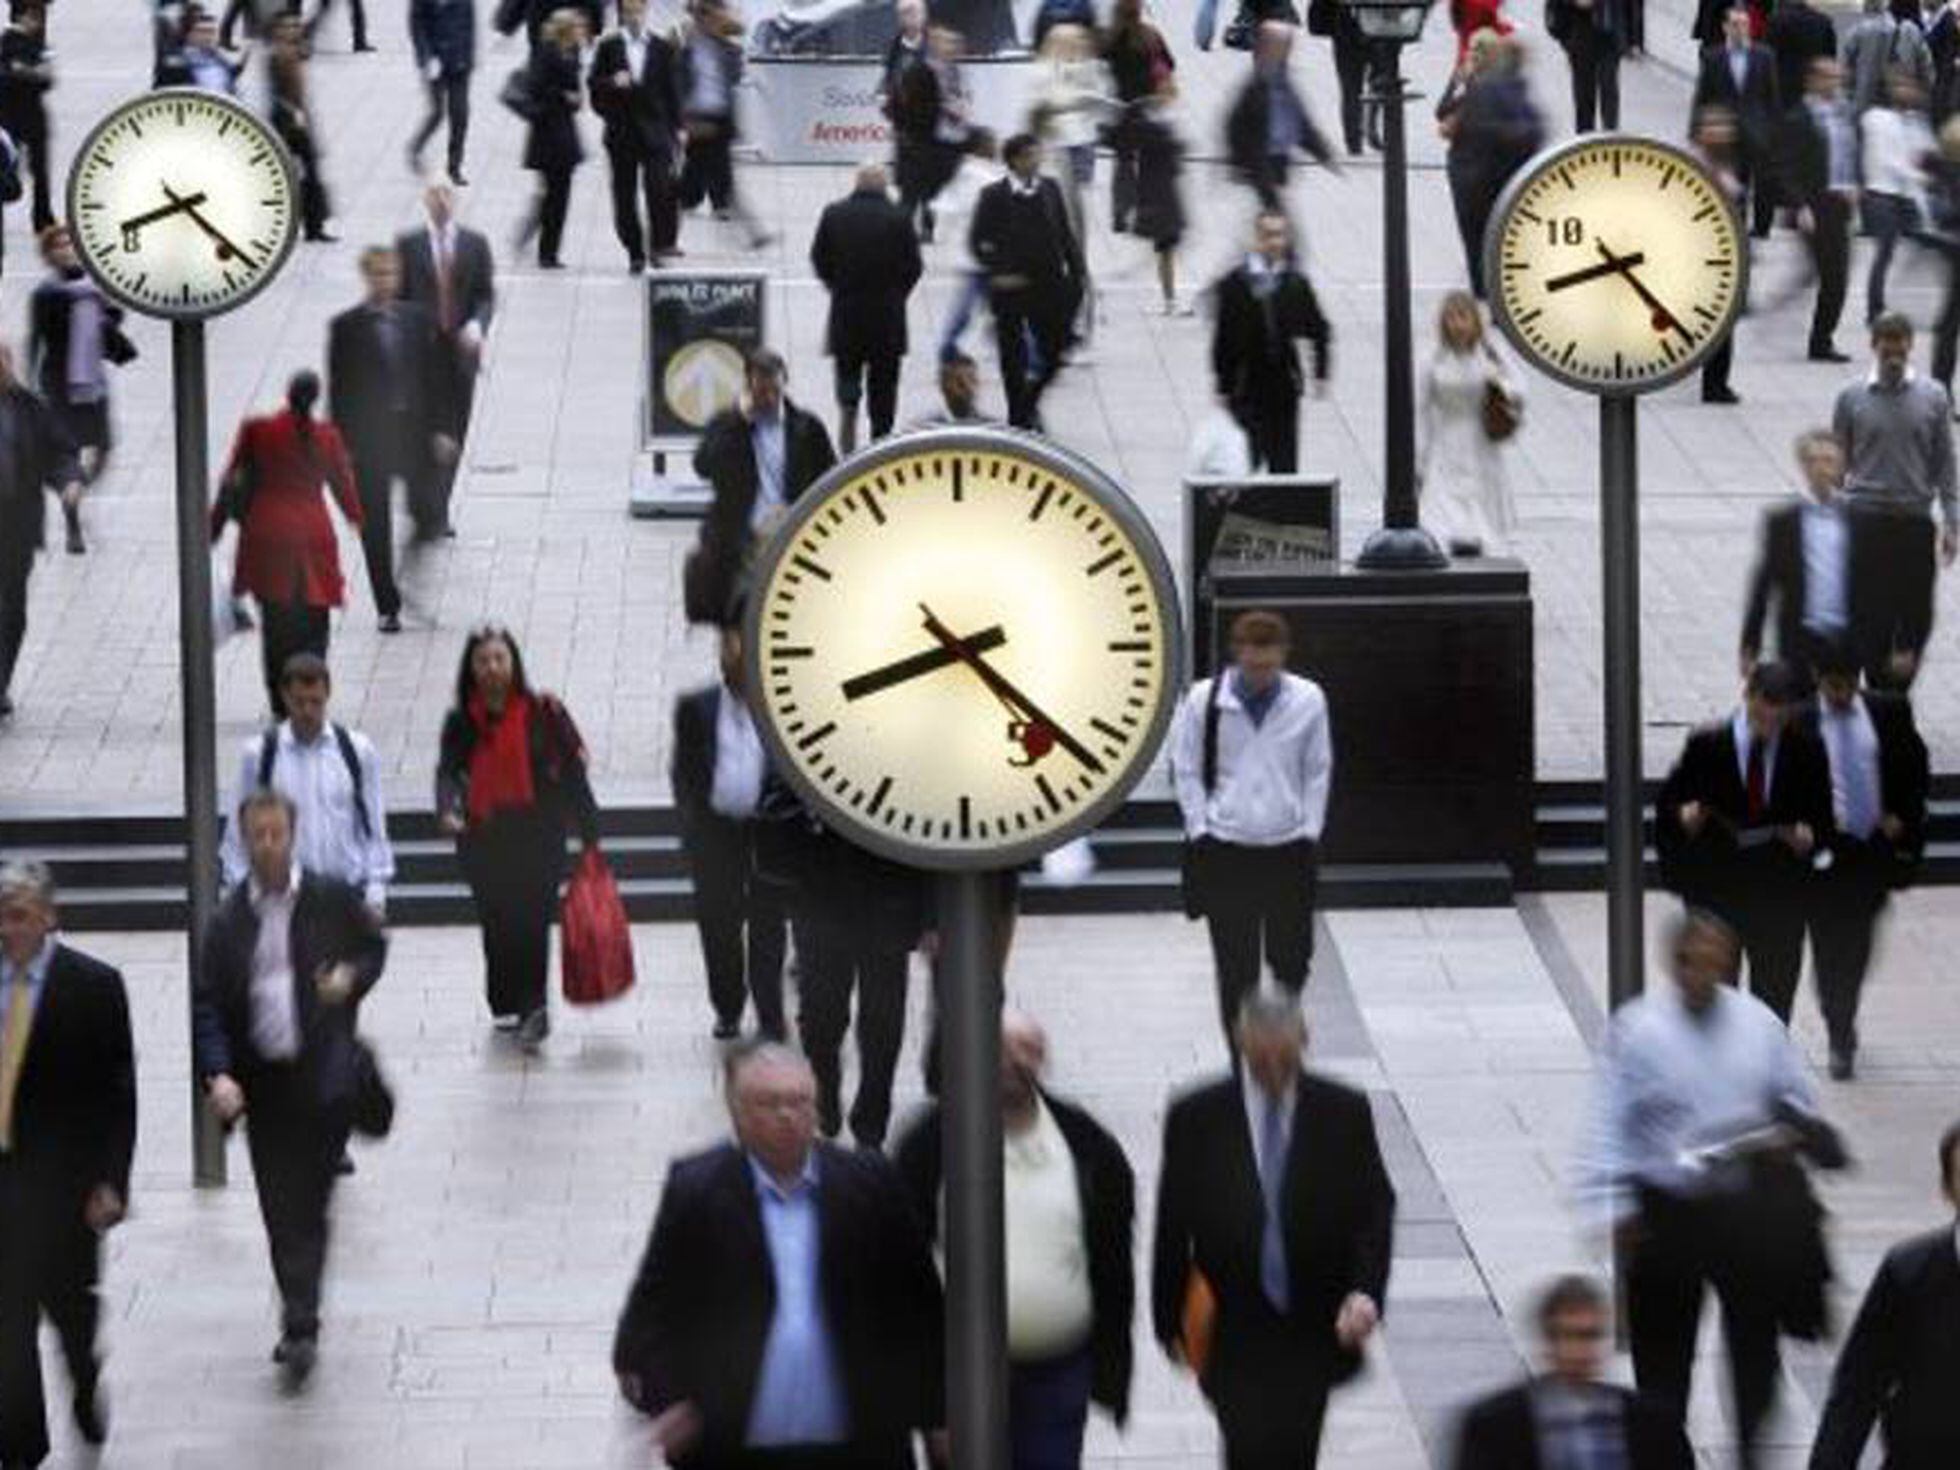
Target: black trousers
(833,959)
(375,468)
(1844,910)
(513,863)
(1715,367)
(1946,327)
(313,207)
(1269,1392)
(1681,1252)
(1259,905)
(16,566)
(1126,146)
(455,371)
(1272,426)
(356,16)
(33,140)
(1830,256)
(635,175)
(50,1262)
(1017,315)
(1595,75)
(554,203)
(295,1144)
(707,171)
(449,96)
(1767,911)
(1901,550)
(1352,56)
(741,921)
(873,381)
(284,630)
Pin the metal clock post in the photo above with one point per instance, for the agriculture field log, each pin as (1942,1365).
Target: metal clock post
(182,203)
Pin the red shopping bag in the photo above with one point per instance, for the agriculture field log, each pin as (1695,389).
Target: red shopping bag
(597,944)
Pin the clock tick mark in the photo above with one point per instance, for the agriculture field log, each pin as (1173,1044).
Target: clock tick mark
(820,733)
(1047,793)
(1103,563)
(810,566)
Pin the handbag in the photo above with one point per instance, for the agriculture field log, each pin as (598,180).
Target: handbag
(1502,413)
(374,1101)
(1192,864)
(516,94)
(116,346)
(597,942)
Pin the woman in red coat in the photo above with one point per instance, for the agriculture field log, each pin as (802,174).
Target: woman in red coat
(287,556)
(1470,16)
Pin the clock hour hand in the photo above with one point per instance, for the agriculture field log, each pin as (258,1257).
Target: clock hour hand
(1007,694)
(134,224)
(226,250)
(1594,272)
(1664,320)
(931,661)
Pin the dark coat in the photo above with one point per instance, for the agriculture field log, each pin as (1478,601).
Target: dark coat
(1253,359)
(1900,1364)
(725,458)
(640,122)
(1006,242)
(1608,19)
(364,383)
(443,31)
(871,902)
(1799,33)
(1498,129)
(330,924)
(75,1102)
(1757,105)
(1711,868)
(1779,577)
(1903,780)
(1501,1433)
(47,462)
(867,256)
(1246,128)
(559,778)
(50,310)
(698,1315)
(691,772)
(23,87)
(552,144)
(1339,1213)
(472,275)
(1107,1189)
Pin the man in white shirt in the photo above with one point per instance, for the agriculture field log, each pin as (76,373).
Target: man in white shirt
(1252,758)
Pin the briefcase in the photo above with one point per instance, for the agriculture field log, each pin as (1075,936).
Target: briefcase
(374,1102)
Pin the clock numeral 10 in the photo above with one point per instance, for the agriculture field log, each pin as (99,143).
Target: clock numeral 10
(1567,231)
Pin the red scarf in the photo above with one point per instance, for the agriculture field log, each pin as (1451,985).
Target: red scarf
(500,763)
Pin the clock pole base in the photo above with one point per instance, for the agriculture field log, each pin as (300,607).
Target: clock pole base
(1401,549)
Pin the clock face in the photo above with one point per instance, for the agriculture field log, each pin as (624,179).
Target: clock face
(962,647)
(1615,263)
(182,203)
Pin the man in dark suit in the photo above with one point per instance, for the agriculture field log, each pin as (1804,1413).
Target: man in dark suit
(447,270)
(1739,820)
(717,773)
(1035,272)
(1902,1359)
(1814,534)
(786,1311)
(1818,173)
(26,78)
(1740,74)
(443,34)
(1269,121)
(1273,1191)
(1265,304)
(286,961)
(1799,33)
(867,256)
(43,460)
(67,1131)
(758,457)
(1879,781)
(380,383)
(634,85)
(1570,1416)
(1594,36)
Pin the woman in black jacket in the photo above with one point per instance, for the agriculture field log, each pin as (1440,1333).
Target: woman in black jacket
(511,779)
(553,149)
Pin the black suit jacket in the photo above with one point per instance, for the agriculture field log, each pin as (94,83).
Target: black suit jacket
(1799,33)
(364,383)
(641,121)
(1247,130)
(50,310)
(1048,257)
(1903,781)
(1756,104)
(472,275)
(1711,867)
(1501,1433)
(691,771)
(725,458)
(46,456)
(867,255)
(1106,1188)
(1253,359)
(1900,1364)
(1339,1209)
(1779,577)
(75,1102)
(698,1315)
(330,924)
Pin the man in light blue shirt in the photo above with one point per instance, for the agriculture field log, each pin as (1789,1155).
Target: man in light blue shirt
(799,1397)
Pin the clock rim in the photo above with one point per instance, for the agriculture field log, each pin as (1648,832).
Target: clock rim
(289,181)
(1112,499)
(1545,162)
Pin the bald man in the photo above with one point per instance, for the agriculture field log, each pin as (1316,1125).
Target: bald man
(867,256)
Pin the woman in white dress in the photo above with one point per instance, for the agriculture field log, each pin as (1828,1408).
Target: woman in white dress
(1466,496)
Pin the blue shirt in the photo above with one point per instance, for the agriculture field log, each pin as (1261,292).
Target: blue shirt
(1256,702)
(799,1392)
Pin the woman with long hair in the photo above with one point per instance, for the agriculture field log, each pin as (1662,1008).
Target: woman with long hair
(510,781)
(1466,496)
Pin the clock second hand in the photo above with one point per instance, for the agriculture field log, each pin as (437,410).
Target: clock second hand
(1663,318)
(1006,692)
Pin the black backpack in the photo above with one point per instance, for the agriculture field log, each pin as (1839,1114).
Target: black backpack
(269,753)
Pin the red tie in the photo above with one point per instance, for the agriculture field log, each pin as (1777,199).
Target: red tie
(1758,783)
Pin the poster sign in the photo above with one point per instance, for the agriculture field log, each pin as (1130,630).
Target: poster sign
(701,326)
(812,109)
(1247,537)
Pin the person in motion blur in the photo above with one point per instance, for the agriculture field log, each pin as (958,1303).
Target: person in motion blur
(1265,305)
(1493,127)
(293,119)
(1269,121)
(551,148)
(634,86)
(867,256)
(1036,274)
(74,335)
(43,460)
(1806,566)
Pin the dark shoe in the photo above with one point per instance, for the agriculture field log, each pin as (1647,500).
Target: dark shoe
(321,237)
(91,1415)
(533,1029)
(365,46)
(71,515)
(391,622)
(6,708)
(551,263)
(727,1030)
(636,266)
(1720,395)
(1842,1064)
(1465,547)
(344,1165)
(456,177)
(296,1357)
(1828,353)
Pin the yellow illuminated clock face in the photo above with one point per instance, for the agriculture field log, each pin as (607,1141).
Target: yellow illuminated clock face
(963,647)
(1615,263)
(182,203)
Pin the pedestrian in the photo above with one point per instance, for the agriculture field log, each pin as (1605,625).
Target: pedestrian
(1140,65)
(382,385)
(202,60)
(1941,25)
(1806,567)
(1069,1213)
(1493,128)
(867,256)
(1688,1157)
(287,557)
(447,270)
(786,1311)
(1466,491)
(1357,64)
(1819,155)
(1879,783)
(959,394)
(1739,74)
(1875,44)
(1714,139)
(1569,1415)
(933,115)
(909,98)
(1740,818)
(717,772)
(1798,34)
(26,78)
(43,459)
(1266,304)
(1159,218)
(74,334)
(551,147)
(510,782)
(292,120)
(1035,273)
(283,966)
(1898,1365)
(1274,1202)
(443,34)
(634,86)
(1896,145)
(1897,431)
(1269,121)
(758,457)
(710,71)
(67,1132)
(1074,105)
(1594,35)
(1252,760)
(1943,200)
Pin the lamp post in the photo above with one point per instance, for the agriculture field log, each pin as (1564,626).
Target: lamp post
(1401,544)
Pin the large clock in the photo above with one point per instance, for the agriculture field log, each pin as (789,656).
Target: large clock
(1615,263)
(962,647)
(182,203)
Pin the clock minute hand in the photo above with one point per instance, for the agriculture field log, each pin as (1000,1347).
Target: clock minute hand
(1663,318)
(226,250)
(1006,692)
(1594,272)
(919,664)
